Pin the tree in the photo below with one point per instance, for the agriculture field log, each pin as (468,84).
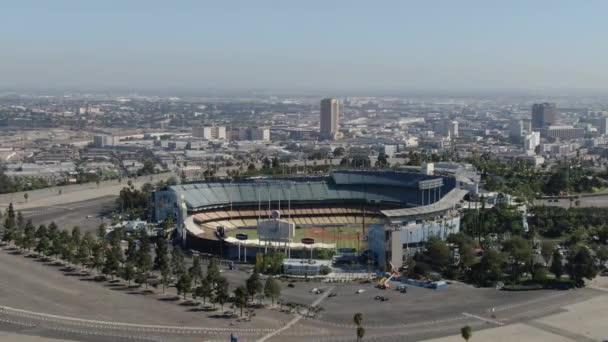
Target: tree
(276,163)
(52,231)
(254,284)
(143,259)
(438,252)
(177,261)
(147,168)
(546,250)
(213,272)
(20,220)
(41,231)
(196,272)
(240,296)
(184,284)
(489,270)
(43,244)
(167,225)
(161,252)
(26,196)
(73,244)
(29,236)
(18,236)
(521,255)
(358,318)
(602,254)
(128,272)
(98,250)
(204,290)
(557,266)
(101,231)
(65,245)
(56,243)
(581,265)
(165,273)
(131,252)
(360,333)
(382,161)
(466,332)
(540,274)
(83,250)
(221,291)
(338,152)
(272,289)
(114,256)
(9,223)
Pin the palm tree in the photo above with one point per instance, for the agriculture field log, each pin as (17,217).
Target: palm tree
(360,333)
(466,332)
(358,318)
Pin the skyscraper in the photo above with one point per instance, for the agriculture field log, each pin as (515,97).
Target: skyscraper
(516,128)
(603,125)
(330,115)
(447,128)
(543,114)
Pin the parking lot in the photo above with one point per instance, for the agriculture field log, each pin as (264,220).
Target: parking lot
(417,305)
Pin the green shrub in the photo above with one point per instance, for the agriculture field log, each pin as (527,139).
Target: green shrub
(519,287)
(325,270)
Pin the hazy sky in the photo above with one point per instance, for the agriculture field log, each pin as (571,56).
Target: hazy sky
(304,44)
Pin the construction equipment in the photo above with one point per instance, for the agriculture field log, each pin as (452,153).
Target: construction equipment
(384,283)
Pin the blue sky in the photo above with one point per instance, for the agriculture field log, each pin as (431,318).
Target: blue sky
(304,44)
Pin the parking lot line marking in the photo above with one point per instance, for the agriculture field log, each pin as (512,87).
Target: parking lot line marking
(485,319)
(297,318)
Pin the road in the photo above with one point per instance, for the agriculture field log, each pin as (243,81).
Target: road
(51,197)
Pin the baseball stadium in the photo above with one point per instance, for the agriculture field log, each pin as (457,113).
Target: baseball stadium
(338,210)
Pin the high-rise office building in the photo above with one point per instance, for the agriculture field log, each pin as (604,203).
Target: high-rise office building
(516,128)
(603,123)
(446,128)
(531,141)
(250,133)
(543,114)
(330,116)
(209,132)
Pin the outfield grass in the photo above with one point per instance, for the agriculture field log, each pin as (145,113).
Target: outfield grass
(346,237)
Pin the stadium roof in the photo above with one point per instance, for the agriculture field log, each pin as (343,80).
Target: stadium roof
(447,202)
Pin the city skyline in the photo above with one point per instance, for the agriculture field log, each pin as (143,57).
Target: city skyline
(472,45)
